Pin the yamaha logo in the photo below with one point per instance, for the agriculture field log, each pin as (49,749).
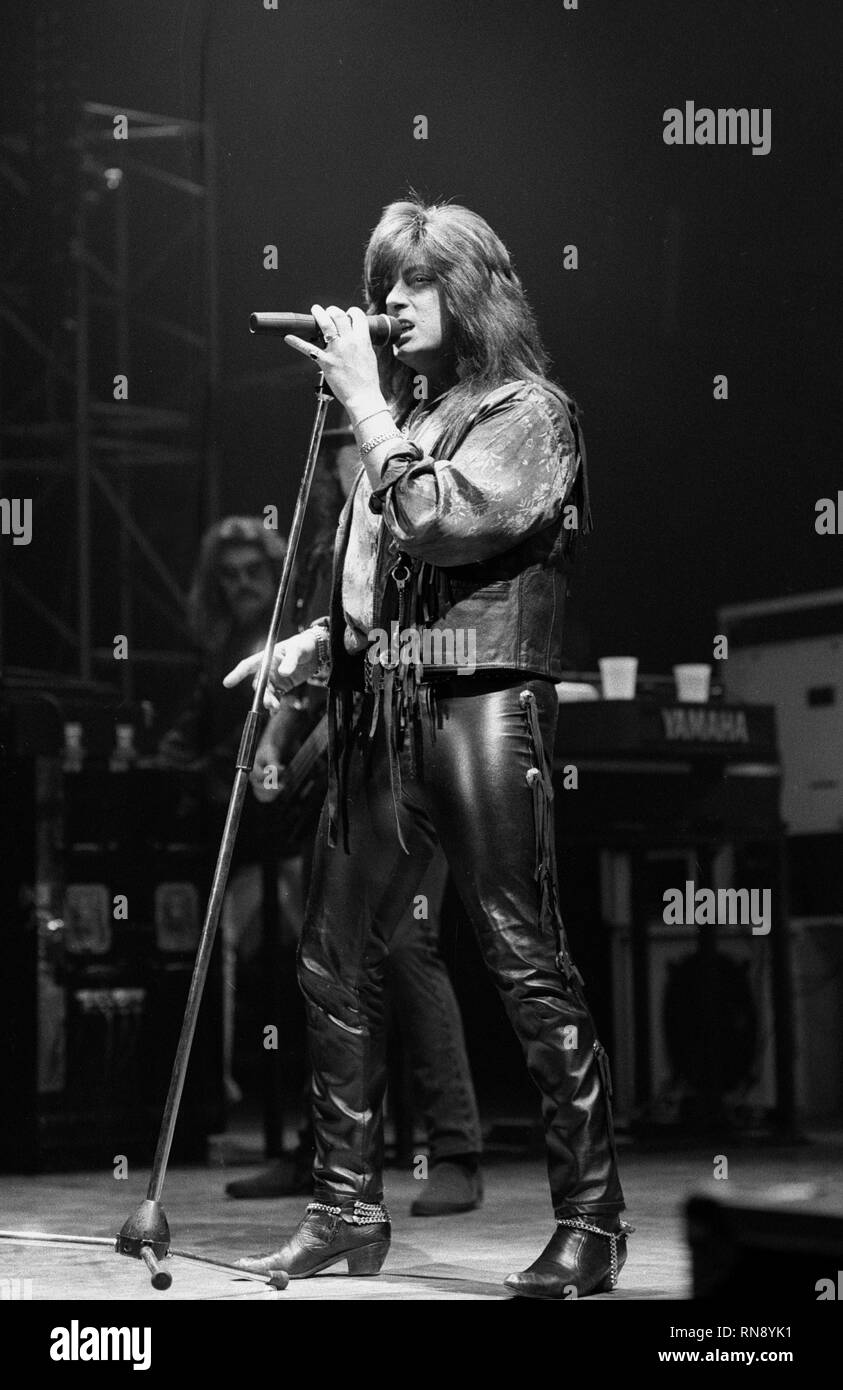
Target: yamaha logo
(705,725)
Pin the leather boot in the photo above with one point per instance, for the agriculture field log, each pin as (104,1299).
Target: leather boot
(324,1238)
(581,1257)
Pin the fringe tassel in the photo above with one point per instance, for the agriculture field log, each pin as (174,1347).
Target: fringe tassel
(390,702)
(394,689)
(540,783)
(431,595)
(587,519)
(340,711)
(374,692)
(333,787)
(423,595)
(408,714)
(581,490)
(443,592)
(431,707)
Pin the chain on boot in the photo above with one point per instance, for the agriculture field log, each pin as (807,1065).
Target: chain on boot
(359,1235)
(580,1258)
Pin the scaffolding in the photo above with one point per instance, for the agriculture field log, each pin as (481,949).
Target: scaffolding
(114,379)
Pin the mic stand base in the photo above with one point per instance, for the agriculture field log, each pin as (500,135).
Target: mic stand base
(145,1235)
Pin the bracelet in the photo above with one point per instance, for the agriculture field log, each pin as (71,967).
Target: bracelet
(379,439)
(323,652)
(384,410)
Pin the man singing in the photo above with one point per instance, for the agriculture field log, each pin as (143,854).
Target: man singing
(463,522)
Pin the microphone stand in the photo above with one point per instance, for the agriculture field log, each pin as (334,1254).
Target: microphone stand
(146,1234)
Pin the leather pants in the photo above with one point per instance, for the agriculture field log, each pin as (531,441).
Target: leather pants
(470,792)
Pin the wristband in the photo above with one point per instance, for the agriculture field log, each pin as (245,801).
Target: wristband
(384,410)
(379,439)
(323,653)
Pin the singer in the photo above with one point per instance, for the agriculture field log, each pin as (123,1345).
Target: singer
(460,519)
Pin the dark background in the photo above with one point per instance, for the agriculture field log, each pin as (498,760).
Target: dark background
(692,261)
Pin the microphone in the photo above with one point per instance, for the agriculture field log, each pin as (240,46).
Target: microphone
(382,327)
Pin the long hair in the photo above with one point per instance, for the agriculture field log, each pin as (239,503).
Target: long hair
(493,333)
(207,612)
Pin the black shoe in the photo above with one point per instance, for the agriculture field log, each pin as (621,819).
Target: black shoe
(577,1260)
(451,1188)
(289,1176)
(324,1238)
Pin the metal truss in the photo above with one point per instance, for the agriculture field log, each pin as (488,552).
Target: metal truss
(140,261)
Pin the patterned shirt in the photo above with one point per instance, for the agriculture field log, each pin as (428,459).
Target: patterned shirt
(507,478)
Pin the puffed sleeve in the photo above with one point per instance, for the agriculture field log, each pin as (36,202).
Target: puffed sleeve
(509,477)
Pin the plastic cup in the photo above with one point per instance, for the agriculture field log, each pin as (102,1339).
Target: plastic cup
(693,682)
(618,675)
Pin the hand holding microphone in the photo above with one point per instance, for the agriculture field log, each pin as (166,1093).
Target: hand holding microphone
(383,328)
(347,358)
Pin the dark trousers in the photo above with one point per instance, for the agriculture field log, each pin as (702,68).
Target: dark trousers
(429,1023)
(471,794)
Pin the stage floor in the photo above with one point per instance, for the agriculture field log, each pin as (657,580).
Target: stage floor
(458,1257)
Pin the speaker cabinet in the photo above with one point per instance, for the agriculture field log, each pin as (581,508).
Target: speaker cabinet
(102,897)
(739,1067)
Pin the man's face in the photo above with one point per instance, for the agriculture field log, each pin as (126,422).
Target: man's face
(247,582)
(416,299)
